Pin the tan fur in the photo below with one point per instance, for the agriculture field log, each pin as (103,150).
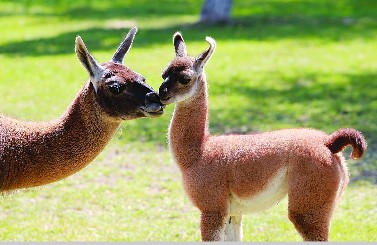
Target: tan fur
(229,175)
(38,153)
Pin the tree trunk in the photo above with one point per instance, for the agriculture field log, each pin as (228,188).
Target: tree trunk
(216,11)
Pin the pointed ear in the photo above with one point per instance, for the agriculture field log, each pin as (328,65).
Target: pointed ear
(179,44)
(94,69)
(124,46)
(202,59)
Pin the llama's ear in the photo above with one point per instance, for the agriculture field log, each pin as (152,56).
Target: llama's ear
(94,69)
(179,45)
(124,46)
(203,58)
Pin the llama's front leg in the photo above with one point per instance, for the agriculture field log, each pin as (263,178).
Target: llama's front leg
(212,226)
(233,228)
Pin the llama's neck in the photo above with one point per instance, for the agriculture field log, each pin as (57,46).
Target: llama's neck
(189,126)
(40,153)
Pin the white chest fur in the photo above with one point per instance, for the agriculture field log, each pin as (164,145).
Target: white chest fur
(270,195)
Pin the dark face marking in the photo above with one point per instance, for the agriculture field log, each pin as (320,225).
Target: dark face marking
(115,87)
(122,93)
(181,75)
(179,78)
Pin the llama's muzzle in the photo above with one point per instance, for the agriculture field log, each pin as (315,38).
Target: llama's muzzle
(153,106)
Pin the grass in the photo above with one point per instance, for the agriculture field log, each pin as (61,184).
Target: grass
(281,63)
(103,204)
(116,199)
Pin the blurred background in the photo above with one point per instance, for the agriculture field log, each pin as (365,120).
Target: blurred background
(278,64)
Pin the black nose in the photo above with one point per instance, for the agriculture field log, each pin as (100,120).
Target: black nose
(152,97)
(163,90)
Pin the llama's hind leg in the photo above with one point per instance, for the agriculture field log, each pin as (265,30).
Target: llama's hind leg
(312,196)
(212,226)
(233,228)
(312,226)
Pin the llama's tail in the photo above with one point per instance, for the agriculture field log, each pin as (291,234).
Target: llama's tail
(347,136)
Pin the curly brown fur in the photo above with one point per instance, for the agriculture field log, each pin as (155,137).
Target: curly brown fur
(347,136)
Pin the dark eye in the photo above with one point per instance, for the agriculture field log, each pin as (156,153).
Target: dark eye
(184,80)
(108,75)
(115,87)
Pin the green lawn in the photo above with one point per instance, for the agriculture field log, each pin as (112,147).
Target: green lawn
(280,64)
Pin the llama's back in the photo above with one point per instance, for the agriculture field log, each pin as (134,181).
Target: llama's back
(274,144)
(253,160)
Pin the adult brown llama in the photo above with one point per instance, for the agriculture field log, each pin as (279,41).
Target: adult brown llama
(38,153)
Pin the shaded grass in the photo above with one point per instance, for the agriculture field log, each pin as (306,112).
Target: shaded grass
(279,64)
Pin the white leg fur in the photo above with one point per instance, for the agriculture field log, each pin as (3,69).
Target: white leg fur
(220,235)
(233,229)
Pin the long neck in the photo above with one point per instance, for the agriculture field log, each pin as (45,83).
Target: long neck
(35,154)
(189,126)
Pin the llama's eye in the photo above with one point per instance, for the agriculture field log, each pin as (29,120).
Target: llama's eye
(184,80)
(115,87)
(108,75)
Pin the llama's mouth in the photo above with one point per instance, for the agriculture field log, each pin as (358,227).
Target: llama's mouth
(153,109)
(166,100)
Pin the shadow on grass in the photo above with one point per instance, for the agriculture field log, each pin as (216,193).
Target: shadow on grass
(102,10)
(125,9)
(323,20)
(358,92)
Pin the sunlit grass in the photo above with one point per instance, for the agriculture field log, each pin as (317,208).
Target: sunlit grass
(279,64)
(136,195)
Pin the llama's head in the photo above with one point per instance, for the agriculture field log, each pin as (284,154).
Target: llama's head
(182,76)
(121,92)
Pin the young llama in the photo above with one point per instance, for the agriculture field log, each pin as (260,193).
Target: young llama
(230,175)
(38,153)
